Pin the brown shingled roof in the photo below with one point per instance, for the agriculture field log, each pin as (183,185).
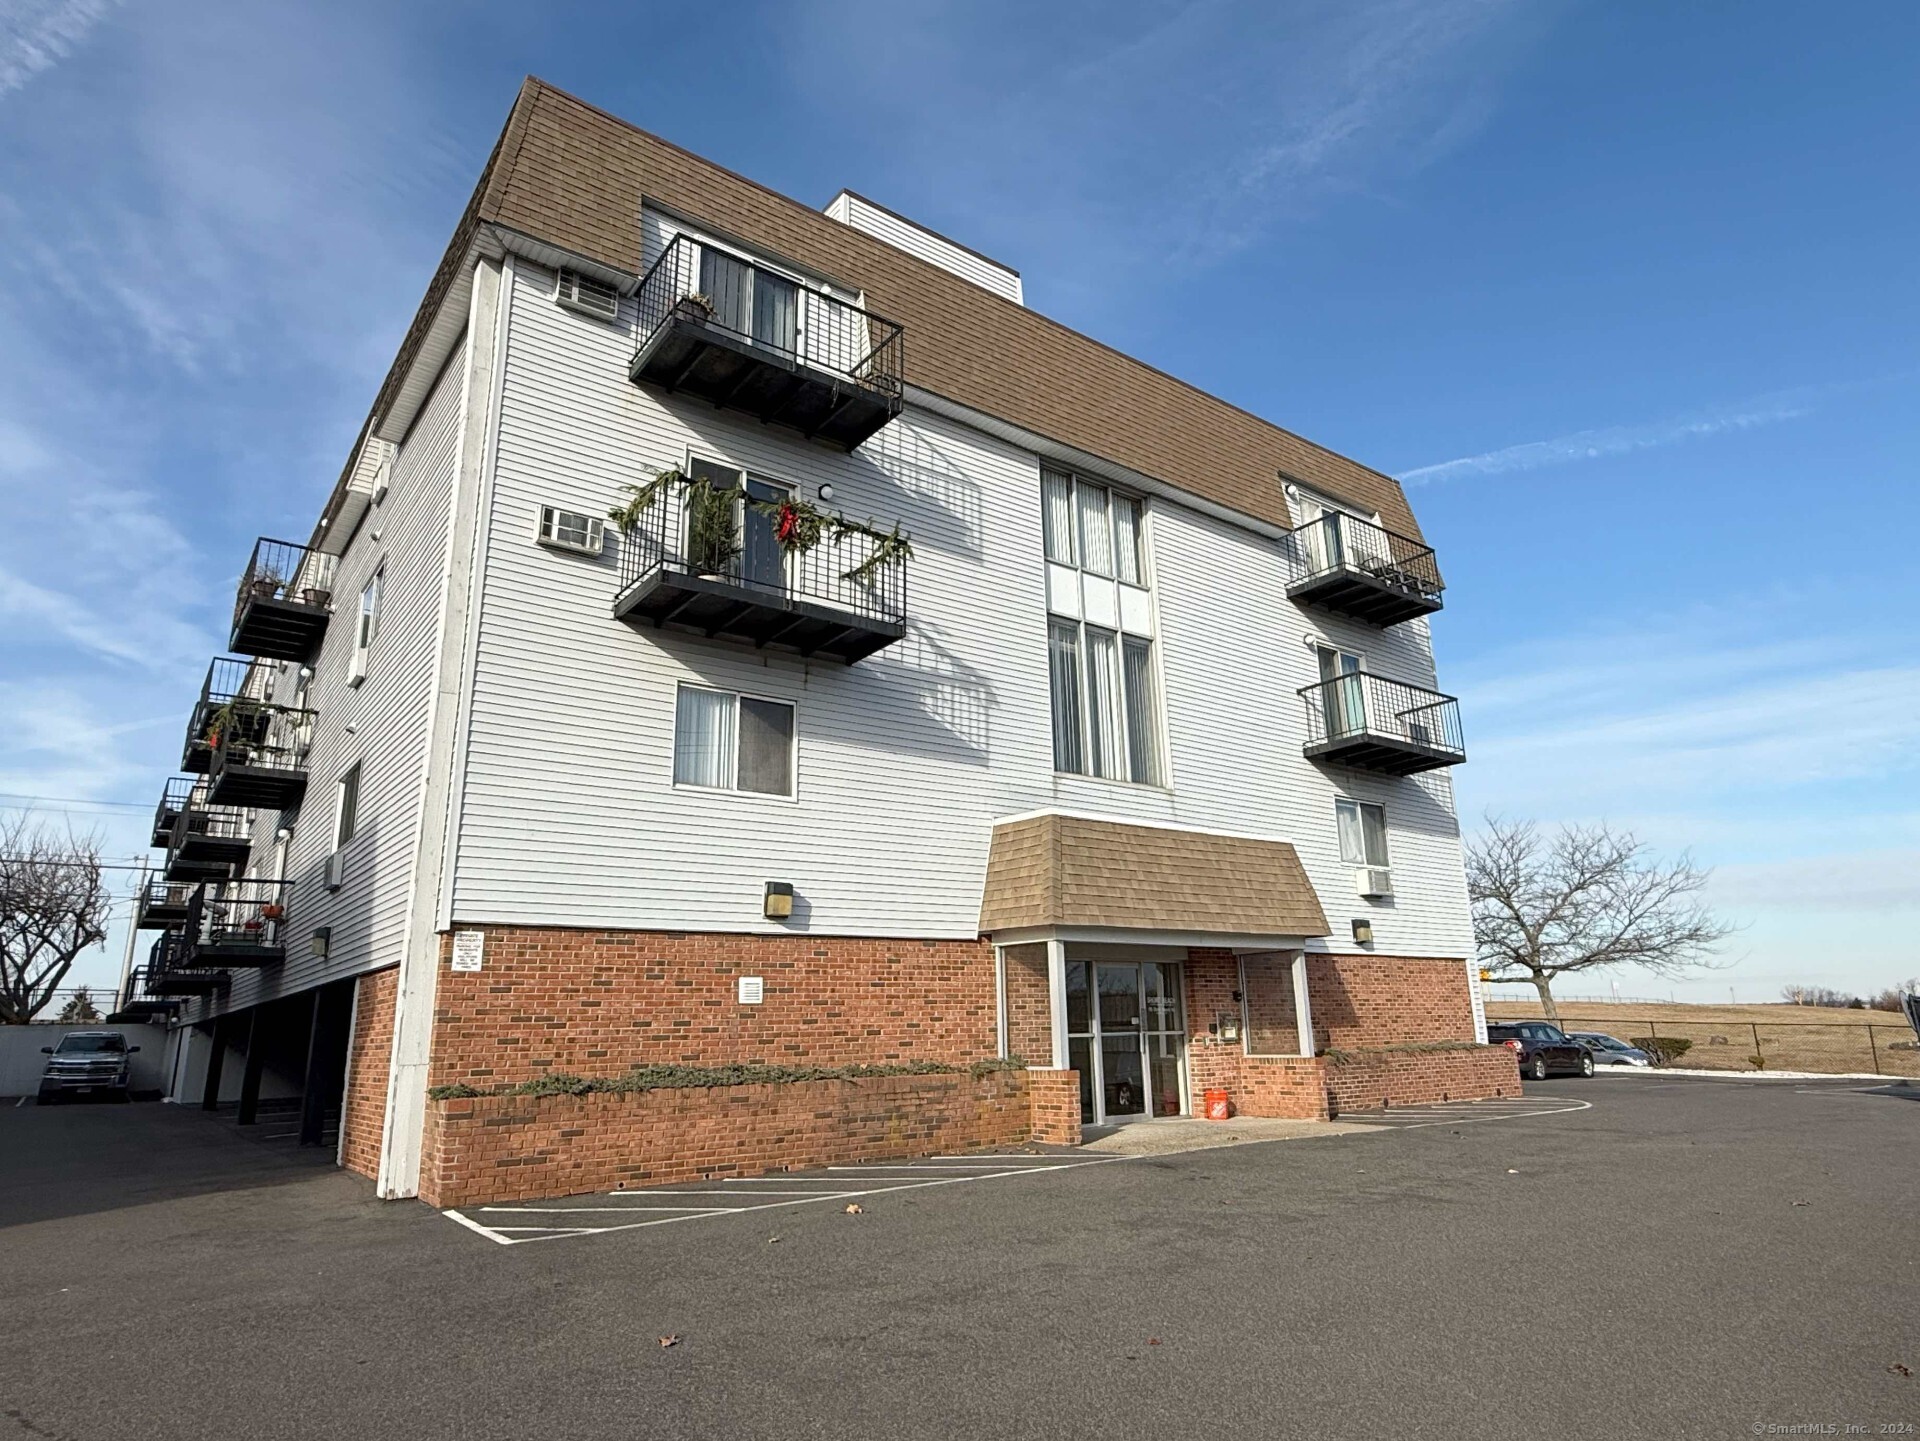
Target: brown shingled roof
(1060,870)
(574,176)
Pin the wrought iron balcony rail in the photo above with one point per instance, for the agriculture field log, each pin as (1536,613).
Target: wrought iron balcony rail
(268,737)
(175,797)
(699,559)
(213,823)
(163,902)
(230,680)
(1363,570)
(284,600)
(716,288)
(238,916)
(171,971)
(1379,724)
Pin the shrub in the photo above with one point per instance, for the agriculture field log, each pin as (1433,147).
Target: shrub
(1665,1050)
(681,1078)
(1757,1061)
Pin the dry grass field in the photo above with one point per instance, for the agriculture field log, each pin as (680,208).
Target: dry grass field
(1790,1038)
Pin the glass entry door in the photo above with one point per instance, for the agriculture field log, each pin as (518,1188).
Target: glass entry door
(1126,1038)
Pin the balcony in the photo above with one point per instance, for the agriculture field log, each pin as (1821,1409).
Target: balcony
(749,339)
(235,923)
(284,602)
(211,835)
(259,755)
(1366,572)
(168,973)
(229,679)
(162,904)
(705,557)
(1372,724)
(174,798)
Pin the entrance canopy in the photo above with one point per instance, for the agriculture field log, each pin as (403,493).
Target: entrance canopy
(1060,873)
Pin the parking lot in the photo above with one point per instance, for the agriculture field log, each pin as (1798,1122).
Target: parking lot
(1683,1257)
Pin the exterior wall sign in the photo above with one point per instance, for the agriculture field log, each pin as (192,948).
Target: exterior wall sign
(468,948)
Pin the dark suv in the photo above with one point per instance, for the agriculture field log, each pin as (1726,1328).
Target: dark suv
(1541,1049)
(88,1063)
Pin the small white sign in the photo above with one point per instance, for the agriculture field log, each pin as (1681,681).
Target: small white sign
(468,948)
(753,990)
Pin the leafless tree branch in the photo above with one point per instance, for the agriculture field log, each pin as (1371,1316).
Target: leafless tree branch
(52,907)
(1586,896)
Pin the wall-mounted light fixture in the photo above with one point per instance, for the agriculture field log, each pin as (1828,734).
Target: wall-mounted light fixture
(285,833)
(322,940)
(826,492)
(778,903)
(1363,932)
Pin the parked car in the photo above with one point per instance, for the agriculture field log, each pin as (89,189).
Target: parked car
(1611,1050)
(88,1063)
(1541,1049)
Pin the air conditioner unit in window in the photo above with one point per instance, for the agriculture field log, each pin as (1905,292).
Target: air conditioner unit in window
(1373,881)
(589,296)
(336,870)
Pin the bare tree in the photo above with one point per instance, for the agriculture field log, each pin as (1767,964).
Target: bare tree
(1587,896)
(52,907)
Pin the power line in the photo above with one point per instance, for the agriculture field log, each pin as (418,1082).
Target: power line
(11,798)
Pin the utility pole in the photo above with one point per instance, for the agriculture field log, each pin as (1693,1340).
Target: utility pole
(121,997)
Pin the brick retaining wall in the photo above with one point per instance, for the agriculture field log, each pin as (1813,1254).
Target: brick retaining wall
(1373,1080)
(502,1148)
(363,1109)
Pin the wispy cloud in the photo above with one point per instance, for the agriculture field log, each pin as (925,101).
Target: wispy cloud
(36,35)
(1620,439)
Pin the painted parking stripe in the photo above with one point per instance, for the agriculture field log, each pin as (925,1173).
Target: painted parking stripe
(1414,1117)
(518,1235)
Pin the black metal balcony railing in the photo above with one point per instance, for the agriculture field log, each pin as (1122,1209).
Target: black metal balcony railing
(175,796)
(211,835)
(686,564)
(1383,725)
(259,755)
(229,680)
(236,923)
(169,972)
(748,338)
(1362,570)
(163,903)
(285,598)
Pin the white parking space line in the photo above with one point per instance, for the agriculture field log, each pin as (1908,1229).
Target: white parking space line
(588,1210)
(516,1234)
(1412,1118)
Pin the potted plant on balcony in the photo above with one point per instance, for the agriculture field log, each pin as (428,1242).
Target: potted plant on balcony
(694,306)
(266,583)
(272,911)
(713,532)
(317,596)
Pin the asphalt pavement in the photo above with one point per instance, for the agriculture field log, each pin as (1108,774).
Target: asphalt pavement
(1683,1258)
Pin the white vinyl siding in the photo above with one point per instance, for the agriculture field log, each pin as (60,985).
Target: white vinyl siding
(910,754)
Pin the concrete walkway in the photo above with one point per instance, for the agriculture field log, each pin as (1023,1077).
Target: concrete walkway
(1170,1137)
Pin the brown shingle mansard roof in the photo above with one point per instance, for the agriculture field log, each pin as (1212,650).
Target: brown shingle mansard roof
(573,176)
(1063,870)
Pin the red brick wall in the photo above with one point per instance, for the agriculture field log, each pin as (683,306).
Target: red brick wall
(500,1148)
(1290,1087)
(1373,1080)
(363,1112)
(1029,1005)
(1361,1001)
(596,1003)
(1055,1100)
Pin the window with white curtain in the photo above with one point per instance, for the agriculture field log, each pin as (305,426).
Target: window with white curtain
(1363,833)
(1106,704)
(730,742)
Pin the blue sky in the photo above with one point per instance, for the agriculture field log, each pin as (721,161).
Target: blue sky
(1625,293)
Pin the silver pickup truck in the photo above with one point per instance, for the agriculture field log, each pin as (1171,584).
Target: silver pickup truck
(88,1063)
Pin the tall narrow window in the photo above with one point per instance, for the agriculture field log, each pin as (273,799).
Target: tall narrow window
(346,814)
(368,626)
(1106,706)
(729,742)
(1063,643)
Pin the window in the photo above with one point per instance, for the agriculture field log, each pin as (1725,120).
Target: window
(570,530)
(723,741)
(346,813)
(369,625)
(1106,705)
(1363,833)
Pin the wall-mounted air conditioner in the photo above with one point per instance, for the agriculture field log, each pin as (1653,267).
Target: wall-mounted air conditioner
(1373,881)
(586,295)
